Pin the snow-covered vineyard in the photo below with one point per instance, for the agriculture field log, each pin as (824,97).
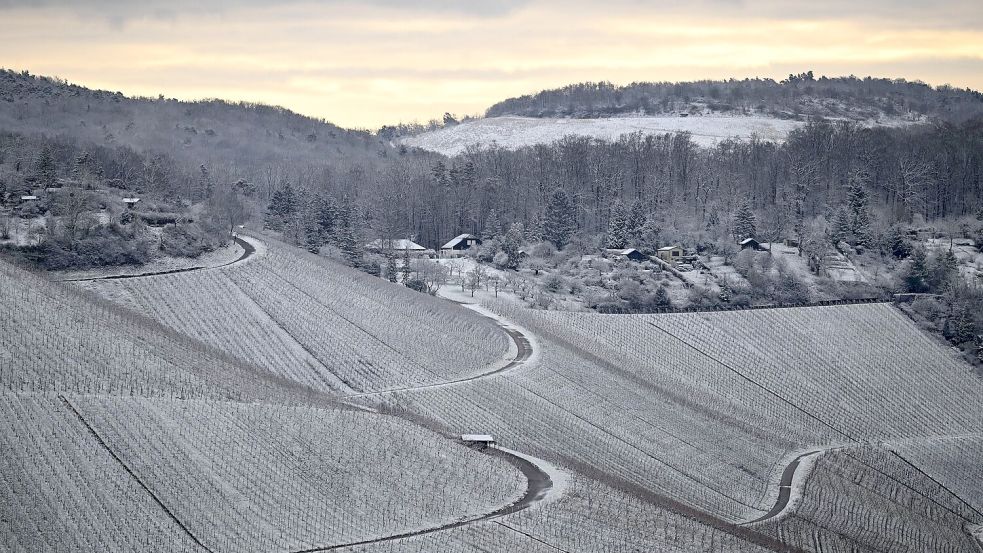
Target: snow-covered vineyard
(287,403)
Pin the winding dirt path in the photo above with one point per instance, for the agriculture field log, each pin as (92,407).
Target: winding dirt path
(524,351)
(538,487)
(248,250)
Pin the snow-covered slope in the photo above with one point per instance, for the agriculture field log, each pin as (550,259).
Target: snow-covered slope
(516,132)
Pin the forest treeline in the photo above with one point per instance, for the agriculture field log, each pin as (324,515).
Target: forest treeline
(798,96)
(912,175)
(915,175)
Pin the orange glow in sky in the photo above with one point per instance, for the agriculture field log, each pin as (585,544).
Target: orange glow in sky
(370,63)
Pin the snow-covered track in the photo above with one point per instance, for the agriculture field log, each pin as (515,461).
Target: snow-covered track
(248,250)
(537,489)
(795,472)
(524,351)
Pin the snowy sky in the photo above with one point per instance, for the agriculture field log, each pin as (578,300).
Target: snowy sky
(370,62)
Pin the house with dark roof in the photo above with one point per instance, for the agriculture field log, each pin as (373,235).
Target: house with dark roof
(630,254)
(750,243)
(459,244)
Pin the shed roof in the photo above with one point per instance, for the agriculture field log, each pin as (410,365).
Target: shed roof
(748,241)
(620,251)
(457,240)
(477,438)
(668,248)
(27,198)
(130,200)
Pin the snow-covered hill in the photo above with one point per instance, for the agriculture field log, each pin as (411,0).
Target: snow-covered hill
(516,132)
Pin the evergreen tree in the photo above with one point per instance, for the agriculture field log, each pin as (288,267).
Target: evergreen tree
(314,236)
(313,239)
(859,215)
(282,209)
(916,277)
(897,242)
(405,269)
(961,327)
(840,230)
(942,271)
(493,226)
(326,212)
(618,227)
(511,244)
(344,236)
(744,221)
(535,232)
(392,271)
(348,245)
(661,299)
(44,168)
(560,218)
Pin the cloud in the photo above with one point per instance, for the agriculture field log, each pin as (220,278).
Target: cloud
(172,9)
(369,63)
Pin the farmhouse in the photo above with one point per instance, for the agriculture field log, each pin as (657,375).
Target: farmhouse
(398,245)
(630,254)
(750,243)
(457,245)
(670,253)
(130,202)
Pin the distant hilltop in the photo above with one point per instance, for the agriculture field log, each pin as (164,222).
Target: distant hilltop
(797,97)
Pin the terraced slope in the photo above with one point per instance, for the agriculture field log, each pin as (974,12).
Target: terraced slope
(58,339)
(316,322)
(119,435)
(702,408)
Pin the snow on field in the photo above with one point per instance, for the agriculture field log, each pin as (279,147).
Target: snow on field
(701,407)
(58,339)
(316,322)
(260,477)
(867,498)
(592,516)
(60,492)
(841,269)
(952,460)
(516,132)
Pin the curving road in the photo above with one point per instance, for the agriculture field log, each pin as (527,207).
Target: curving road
(523,352)
(248,250)
(539,485)
(536,471)
(785,485)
